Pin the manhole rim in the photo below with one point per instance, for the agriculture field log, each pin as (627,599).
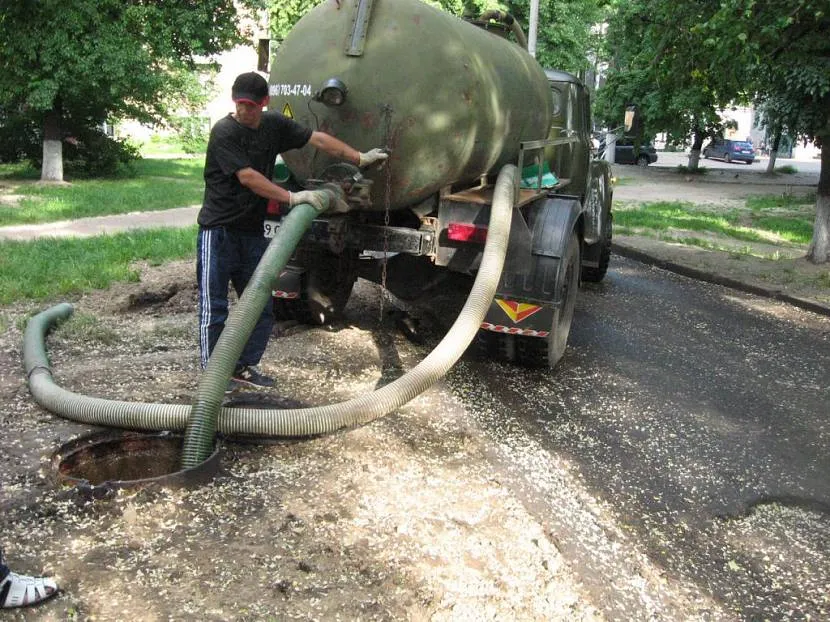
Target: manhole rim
(190,477)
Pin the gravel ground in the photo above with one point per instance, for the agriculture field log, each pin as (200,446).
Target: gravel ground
(400,519)
(416,516)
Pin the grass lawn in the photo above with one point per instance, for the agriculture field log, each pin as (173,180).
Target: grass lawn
(153,184)
(772,219)
(55,268)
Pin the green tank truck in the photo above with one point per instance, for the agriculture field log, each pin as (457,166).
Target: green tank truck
(453,101)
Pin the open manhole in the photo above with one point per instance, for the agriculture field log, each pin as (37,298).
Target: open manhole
(99,463)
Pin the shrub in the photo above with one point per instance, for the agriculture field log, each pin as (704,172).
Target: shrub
(193,133)
(91,153)
(787,169)
(19,139)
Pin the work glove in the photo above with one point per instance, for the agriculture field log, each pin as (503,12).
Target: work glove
(370,157)
(329,197)
(338,204)
(318,199)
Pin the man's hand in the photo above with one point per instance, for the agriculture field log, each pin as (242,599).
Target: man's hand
(370,157)
(318,199)
(329,197)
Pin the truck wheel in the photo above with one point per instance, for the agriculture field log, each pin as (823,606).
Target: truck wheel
(642,160)
(329,280)
(496,346)
(596,274)
(547,352)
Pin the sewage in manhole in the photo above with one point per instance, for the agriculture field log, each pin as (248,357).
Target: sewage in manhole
(102,462)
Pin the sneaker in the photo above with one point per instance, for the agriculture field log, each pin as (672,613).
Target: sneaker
(250,376)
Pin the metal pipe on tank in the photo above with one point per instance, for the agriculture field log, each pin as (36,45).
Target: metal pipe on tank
(533,27)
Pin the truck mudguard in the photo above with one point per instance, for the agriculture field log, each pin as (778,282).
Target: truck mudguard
(551,222)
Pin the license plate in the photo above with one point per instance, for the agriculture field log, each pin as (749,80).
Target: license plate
(269,228)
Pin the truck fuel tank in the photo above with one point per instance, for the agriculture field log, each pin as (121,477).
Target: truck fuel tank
(450,100)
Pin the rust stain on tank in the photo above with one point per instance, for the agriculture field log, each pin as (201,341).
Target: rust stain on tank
(368,121)
(349,116)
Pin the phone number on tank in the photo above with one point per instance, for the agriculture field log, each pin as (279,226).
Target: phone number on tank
(290,89)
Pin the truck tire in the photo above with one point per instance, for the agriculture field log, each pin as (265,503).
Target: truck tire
(548,351)
(596,274)
(497,346)
(642,160)
(328,283)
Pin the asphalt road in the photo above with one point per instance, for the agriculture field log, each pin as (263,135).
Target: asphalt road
(698,417)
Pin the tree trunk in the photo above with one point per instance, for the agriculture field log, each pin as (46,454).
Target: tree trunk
(610,146)
(52,167)
(694,153)
(773,152)
(819,251)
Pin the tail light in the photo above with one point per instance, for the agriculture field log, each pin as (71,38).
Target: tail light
(465,232)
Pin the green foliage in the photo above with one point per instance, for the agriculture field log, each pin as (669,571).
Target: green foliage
(87,61)
(658,63)
(94,154)
(285,13)
(564,39)
(19,138)
(783,48)
(87,151)
(193,133)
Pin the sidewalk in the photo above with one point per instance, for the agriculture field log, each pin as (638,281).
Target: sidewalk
(702,265)
(86,227)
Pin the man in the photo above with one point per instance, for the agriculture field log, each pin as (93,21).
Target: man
(239,165)
(17,590)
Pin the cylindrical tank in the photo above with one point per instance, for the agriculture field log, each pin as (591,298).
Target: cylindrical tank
(451,100)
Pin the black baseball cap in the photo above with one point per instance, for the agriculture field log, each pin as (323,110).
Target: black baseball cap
(251,88)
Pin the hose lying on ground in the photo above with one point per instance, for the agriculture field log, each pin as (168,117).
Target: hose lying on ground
(270,422)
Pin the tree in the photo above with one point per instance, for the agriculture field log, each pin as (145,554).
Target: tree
(90,60)
(786,50)
(657,61)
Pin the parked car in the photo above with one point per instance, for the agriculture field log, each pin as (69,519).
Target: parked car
(624,152)
(730,150)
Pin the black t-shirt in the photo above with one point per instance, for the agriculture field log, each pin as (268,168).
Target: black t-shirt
(232,147)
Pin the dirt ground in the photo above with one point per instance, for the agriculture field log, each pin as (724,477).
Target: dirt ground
(403,518)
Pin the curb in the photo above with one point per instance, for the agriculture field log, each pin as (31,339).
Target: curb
(700,275)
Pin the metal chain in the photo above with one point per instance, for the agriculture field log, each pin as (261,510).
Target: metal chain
(387,208)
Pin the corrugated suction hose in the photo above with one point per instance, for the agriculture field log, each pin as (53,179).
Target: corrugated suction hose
(206,416)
